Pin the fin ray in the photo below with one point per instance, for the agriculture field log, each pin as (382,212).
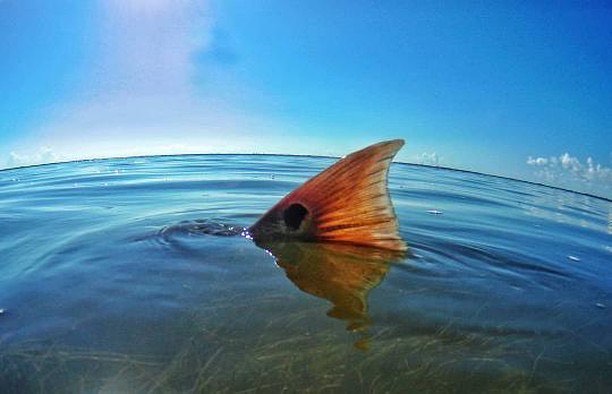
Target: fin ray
(346,203)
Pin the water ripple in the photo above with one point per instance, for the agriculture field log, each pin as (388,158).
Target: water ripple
(142,255)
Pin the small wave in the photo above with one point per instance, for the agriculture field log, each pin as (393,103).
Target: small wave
(202,227)
(188,234)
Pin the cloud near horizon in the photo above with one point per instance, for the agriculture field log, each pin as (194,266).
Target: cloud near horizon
(430,159)
(570,172)
(43,155)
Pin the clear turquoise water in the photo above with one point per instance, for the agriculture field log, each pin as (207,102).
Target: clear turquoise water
(112,279)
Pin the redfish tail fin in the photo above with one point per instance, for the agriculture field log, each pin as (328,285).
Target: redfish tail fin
(347,203)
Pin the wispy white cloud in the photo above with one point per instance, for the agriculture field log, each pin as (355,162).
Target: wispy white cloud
(569,171)
(147,46)
(141,95)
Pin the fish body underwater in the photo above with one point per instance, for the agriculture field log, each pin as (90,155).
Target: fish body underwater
(346,203)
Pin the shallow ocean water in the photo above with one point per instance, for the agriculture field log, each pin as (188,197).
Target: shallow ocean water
(119,276)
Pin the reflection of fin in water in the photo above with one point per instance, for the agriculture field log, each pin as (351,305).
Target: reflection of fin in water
(346,233)
(347,203)
(342,274)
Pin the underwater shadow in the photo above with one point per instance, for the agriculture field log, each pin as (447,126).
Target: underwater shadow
(341,274)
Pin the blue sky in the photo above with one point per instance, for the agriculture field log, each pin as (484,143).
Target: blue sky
(520,89)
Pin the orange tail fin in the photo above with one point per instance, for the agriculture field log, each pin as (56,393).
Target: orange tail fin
(348,203)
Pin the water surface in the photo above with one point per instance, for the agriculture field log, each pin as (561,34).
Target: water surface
(122,275)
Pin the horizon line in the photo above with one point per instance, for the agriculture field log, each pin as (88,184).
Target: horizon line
(310,156)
